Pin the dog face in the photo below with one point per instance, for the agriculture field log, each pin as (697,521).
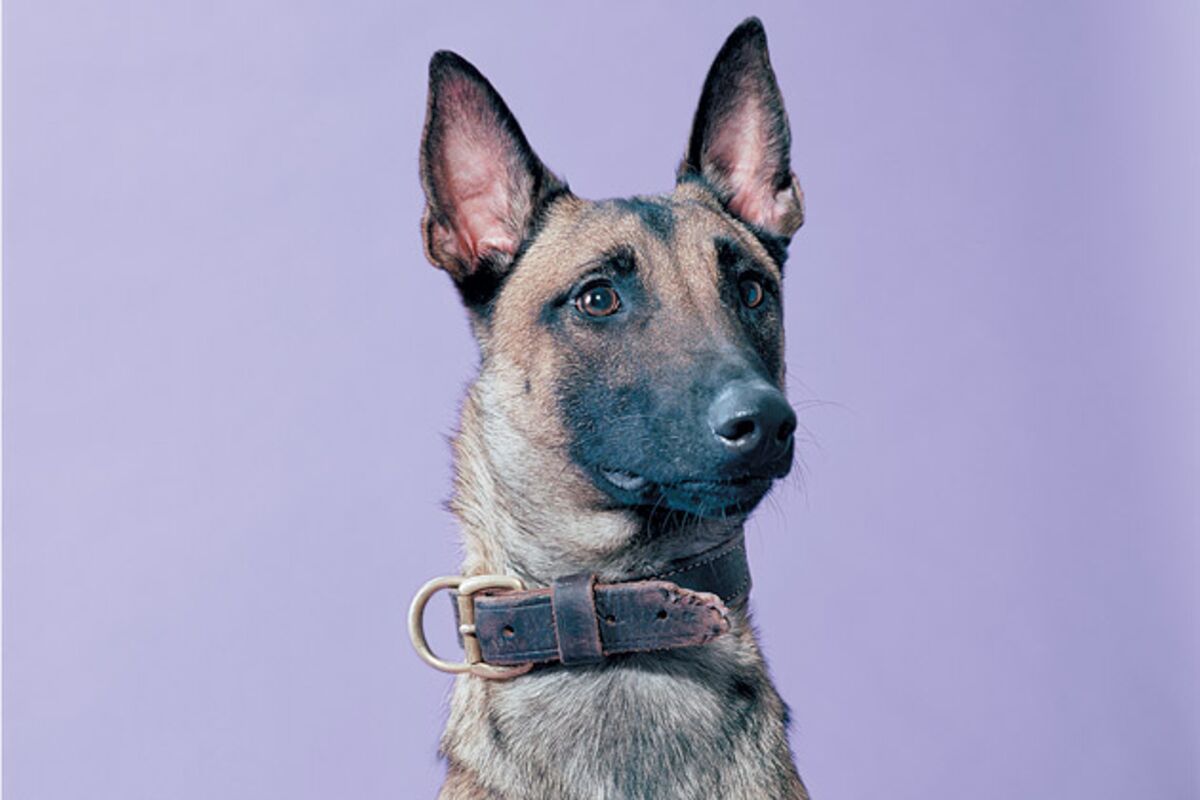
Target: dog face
(632,349)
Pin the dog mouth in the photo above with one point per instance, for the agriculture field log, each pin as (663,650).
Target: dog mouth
(625,481)
(702,496)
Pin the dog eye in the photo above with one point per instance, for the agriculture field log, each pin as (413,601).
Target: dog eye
(598,300)
(752,292)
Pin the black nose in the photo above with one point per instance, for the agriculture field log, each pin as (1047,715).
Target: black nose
(753,420)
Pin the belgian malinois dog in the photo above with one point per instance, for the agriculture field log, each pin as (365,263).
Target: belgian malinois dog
(627,416)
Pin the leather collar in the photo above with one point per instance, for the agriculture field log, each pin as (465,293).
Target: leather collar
(578,620)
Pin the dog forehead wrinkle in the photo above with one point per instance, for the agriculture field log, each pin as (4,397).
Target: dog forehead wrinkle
(654,213)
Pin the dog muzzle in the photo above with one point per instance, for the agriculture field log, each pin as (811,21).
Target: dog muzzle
(506,630)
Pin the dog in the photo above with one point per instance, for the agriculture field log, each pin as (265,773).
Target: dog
(628,414)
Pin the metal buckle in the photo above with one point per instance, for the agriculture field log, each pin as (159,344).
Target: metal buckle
(467,587)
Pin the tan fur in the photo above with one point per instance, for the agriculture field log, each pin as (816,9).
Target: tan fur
(525,509)
(564,402)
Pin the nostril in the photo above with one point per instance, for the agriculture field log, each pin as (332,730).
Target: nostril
(786,429)
(741,429)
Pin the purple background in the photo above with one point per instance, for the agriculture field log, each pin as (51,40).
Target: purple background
(229,373)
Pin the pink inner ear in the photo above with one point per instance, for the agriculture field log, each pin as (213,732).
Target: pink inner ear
(477,192)
(475,176)
(742,153)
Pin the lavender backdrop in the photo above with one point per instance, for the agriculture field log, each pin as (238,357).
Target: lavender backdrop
(229,374)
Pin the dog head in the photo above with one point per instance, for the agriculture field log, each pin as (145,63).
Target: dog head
(632,349)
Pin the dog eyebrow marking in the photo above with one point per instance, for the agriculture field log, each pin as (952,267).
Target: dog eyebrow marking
(619,260)
(731,256)
(775,245)
(657,217)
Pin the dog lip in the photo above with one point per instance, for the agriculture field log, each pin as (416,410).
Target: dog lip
(631,481)
(707,496)
(738,482)
(628,481)
(716,496)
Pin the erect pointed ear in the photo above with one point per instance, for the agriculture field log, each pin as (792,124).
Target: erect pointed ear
(483,183)
(740,142)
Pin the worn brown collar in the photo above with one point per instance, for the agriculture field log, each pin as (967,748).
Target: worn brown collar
(506,629)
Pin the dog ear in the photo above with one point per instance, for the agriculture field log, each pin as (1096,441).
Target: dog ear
(483,183)
(740,144)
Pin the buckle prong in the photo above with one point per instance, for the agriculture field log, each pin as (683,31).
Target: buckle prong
(466,587)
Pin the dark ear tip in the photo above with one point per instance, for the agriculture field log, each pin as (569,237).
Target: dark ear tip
(447,62)
(750,29)
(442,59)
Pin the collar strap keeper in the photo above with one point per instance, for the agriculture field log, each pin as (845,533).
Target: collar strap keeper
(576,620)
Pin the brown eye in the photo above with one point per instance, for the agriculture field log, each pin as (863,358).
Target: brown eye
(752,292)
(600,300)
